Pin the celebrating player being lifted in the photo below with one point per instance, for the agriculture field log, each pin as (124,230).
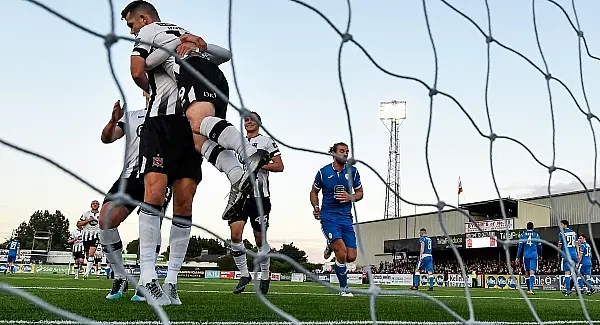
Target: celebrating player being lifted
(205,110)
(89,223)
(111,215)
(250,209)
(76,241)
(531,247)
(335,212)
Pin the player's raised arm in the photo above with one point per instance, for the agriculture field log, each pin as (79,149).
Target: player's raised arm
(114,129)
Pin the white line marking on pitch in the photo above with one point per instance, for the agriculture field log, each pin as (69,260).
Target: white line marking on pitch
(65,322)
(314,294)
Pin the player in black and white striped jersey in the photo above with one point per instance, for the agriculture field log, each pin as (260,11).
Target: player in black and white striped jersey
(76,241)
(111,216)
(99,257)
(168,149)
(250,209)
(89,223)
(205,110)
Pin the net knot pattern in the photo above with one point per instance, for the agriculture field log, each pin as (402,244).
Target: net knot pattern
(347,38)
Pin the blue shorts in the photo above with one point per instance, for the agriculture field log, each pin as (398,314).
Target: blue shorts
(11,258)
(565,264)
(426,264)
(530,264)
(339,229)
(585,269)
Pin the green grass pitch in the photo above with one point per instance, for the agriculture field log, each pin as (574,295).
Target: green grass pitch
(211,301)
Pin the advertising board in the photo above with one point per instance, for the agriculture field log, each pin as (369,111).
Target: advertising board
(501,281)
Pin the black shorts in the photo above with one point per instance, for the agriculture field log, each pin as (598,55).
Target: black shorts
(192,89)
(135,188)
(87,244)
(167,147)
(78,255)
(250,211)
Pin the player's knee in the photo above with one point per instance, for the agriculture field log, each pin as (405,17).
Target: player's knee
(350,255)
(155,188)
(183,196)
(237,229)
(197,111)
(112,215)
(341,255)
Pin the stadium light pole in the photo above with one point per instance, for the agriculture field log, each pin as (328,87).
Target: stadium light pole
(392,114)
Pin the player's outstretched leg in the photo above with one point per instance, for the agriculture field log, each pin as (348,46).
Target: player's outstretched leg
(206,114)
(149,227)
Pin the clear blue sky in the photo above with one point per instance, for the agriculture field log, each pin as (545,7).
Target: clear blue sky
(58,95)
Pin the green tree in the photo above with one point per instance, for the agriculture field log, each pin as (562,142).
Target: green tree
(197,244)
(294,253)
(43,221)
(133,247)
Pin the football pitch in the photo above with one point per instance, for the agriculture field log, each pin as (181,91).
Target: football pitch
(211,302)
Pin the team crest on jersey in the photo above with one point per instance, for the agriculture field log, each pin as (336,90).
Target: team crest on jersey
(157,162)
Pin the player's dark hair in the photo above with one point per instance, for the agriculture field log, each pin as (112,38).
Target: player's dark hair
(423,229)
(140,6)
(530,225)
(335,147)
(564,222)
(584,236)
(257,116)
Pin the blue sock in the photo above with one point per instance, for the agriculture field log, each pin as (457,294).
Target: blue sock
(416,280)
(580,283)
(531,282)
(589,284)
(431,281)
(528,281)
(342,274)
(568,283)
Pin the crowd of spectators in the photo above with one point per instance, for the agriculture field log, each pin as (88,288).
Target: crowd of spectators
(492,266)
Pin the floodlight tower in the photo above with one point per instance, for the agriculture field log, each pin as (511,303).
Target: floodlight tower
(392,114)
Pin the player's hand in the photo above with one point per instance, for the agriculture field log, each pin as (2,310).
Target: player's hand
(200,43)
(185,48)
(343,197)
(317,212)
(117,112)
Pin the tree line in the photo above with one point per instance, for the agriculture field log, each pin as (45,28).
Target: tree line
(56,225)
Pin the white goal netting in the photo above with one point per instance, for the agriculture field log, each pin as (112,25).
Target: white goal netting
(484,28)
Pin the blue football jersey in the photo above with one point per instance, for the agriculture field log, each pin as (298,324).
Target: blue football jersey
(568,240)
(13,246)
(586,253)
(331,181)
(426,242)
(529,246)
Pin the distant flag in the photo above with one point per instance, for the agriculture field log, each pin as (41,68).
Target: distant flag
(459,186)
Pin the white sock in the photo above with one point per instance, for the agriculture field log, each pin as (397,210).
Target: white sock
(90,264)
(178,245)
(239,256)
(149,227)
(224,160)
(111,239)
(264,266)
(226,135)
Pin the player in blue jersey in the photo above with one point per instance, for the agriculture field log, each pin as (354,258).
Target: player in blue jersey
(337,182)
(531,248)
(584,262)
(425,263)
(14,249)
(567,243)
